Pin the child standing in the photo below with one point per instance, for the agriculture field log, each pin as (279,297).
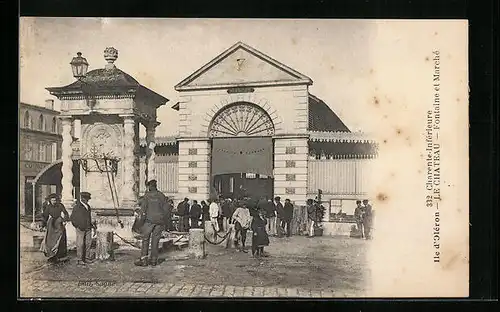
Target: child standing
(260,239)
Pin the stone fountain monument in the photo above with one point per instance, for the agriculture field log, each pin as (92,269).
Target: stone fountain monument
(110,105)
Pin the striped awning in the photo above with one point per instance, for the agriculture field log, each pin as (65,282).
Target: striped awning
(339,136)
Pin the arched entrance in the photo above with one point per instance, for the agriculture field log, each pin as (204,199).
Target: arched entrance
(50,175)
(242,152)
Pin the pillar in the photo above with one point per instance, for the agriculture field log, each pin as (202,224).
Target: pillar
(290,168)
(194,169)
(128,196)
(67,163)
(150,152)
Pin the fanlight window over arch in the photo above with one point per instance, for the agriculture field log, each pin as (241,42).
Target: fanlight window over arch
(241,119)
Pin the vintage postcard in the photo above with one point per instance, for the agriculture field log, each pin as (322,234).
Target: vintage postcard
(243,158)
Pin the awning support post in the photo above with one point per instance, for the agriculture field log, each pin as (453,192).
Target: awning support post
(34,201)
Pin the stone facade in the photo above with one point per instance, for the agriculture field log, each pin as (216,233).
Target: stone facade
(291,181)
(276,89)
(39,146)
(110,105)
(194,169)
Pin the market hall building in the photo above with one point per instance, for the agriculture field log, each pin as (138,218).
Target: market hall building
(247,126)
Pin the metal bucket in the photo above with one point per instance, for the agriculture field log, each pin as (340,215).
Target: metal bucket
(37,241)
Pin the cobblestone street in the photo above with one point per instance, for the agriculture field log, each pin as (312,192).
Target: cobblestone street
(166,290)
(321,267)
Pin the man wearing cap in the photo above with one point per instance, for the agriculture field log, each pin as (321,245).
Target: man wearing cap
(81,218)
(278,206)
(287,216)
(183,213)
(367,219)
(213,211)
(195,214)
(311,217)
(242,221)
(358,216)
(155,208)
(270,213)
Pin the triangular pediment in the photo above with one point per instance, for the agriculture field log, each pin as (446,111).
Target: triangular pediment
(242,65)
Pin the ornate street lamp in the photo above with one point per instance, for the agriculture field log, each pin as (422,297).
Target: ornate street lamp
(79,65)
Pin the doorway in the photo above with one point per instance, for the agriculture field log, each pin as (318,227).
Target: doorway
(28,196)
(240,185)
(242,167)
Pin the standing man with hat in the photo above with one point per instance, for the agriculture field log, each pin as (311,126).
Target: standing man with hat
(155,208)
(81,218)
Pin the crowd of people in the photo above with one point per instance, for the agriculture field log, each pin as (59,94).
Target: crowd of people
(264,217)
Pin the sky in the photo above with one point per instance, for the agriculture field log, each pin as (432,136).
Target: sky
(160,53)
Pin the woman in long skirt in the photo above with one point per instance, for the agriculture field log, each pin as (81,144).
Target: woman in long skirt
(54,244)
(260,239)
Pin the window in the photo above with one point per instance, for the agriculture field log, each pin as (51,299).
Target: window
(231,184)
(41,153)
(41,123)
(27,120)
(219,186)
(334,209)
(54,125)
(250,175)
(54,151)
(28,150)
(36,151)
(48,152)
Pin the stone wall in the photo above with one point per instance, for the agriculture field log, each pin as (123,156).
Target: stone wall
(290,169)
(287,106)
(194,169)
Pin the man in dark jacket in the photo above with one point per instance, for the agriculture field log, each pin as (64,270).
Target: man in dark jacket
(226,213)
(287,216)
(270,213)
(367,219)
(183,213)
(205,211)
(195,214)
(278,206)
(169,226)
(358,216)
(81,218)
(311,217)
(155,208)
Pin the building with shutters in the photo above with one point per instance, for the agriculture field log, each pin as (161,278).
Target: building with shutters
(39,145)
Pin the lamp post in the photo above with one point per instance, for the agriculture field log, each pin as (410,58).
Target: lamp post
(79,65)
